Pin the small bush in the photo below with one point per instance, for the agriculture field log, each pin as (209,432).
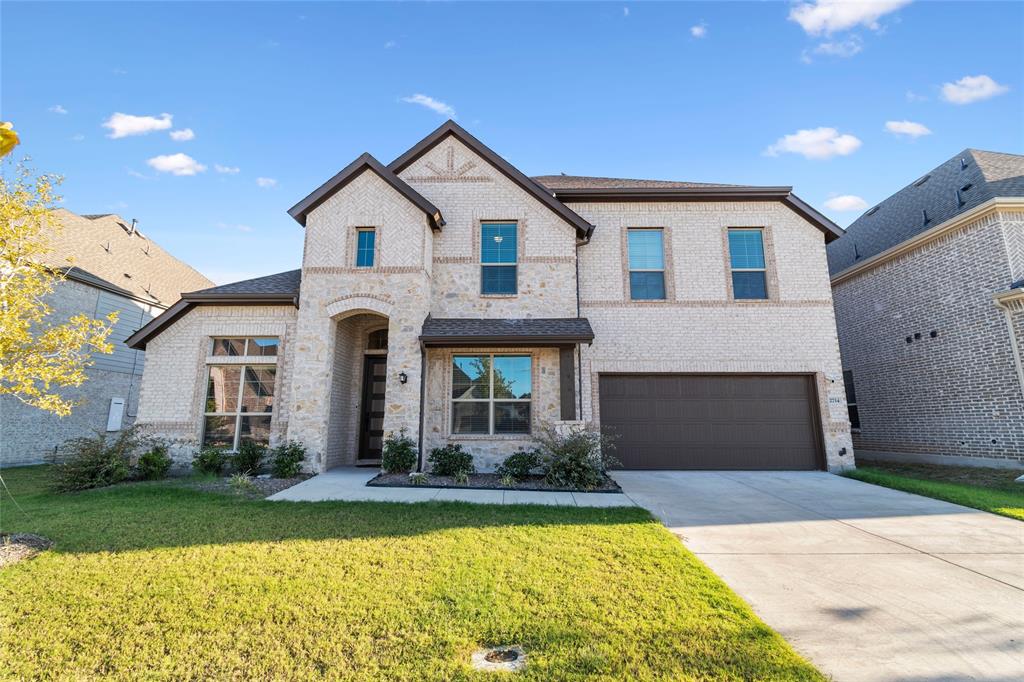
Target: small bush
(508,481)
(153,464)
(241,483)
(96,461)
(451,460)
(418,478)
(519,465)
(286,460)
(576,458)
(249,457)
(210,461)
(399,454)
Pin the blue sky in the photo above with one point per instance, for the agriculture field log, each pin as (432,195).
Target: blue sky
(280,96)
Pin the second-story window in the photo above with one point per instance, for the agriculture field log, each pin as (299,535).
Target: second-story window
(746,260)
(646,264)
(366,244)
(498,258)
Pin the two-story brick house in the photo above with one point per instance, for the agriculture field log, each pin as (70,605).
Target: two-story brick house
(450,295)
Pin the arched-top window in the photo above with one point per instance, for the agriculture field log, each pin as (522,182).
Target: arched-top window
(378,340)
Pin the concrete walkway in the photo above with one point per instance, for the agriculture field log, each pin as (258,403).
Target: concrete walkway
(350,485)
(868,583)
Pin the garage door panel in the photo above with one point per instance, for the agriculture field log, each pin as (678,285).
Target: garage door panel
(669,421)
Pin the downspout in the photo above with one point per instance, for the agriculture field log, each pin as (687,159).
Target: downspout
(423,389)
(1014,345)
(579,349)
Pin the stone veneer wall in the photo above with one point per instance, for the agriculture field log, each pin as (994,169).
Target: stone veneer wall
(173,386)
(488,451)
(699,329)
(955,397)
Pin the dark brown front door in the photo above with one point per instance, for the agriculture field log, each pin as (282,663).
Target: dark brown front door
(371,422)
(690,421)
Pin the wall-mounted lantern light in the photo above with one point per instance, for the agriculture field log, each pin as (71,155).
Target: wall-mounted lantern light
(403,378)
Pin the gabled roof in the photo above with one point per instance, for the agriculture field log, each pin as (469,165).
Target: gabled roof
(540,193)
(104,251)
(960,184)
(278,289)
(365,162)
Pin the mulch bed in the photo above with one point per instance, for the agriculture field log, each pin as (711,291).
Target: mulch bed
(485,482)
(261,487)
(15,547)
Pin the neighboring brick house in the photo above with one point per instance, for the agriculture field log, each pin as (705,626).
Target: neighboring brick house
(110,266)
(929,296)
(450,295)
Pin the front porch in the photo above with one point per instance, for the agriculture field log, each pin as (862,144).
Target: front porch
(349,484)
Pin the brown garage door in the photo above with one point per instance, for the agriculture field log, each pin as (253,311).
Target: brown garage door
(686,421)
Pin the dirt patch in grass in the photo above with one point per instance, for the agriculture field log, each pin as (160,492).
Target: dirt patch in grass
(15,547)
(486,482)
(258,488)
(983,477)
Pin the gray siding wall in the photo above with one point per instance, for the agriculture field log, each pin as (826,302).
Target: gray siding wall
(29,435)
(953,396)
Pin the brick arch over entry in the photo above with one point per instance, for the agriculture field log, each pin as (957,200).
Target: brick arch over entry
(357,304)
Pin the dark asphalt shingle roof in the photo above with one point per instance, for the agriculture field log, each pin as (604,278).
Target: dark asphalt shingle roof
(899,218)
(562,182)
(568,328)
(279,283)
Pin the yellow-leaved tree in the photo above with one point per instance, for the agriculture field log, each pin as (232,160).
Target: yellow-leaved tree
(38,355)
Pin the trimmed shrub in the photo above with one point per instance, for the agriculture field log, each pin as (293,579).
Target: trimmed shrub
(210,461)
(519,465)
(153,464)
(249,457)
(286,460)
(576,458)
(96,461)
(451,460)
(399,453)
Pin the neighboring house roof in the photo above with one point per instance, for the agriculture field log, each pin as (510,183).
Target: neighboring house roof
(103,251)
(281,288)
(365,162)
(978,176)
(450,128)
(559,182)
(501,331)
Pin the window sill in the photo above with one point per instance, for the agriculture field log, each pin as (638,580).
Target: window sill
(499,295)
(485,436)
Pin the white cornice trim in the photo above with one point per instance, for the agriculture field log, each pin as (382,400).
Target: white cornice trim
(918,240)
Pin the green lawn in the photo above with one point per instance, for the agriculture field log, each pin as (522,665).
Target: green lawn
(153,580)
(991,490)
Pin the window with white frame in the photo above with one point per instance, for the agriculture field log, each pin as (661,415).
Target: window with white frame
(366,245)
(498,258)
(491,394)
(240,346)
(746,260)
(239,396)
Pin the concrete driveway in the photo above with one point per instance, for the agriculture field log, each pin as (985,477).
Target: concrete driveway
(868,583)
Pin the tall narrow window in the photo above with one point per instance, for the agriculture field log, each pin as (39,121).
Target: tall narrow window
(851,399)
(366,243)
(498,258)
(491,394)
(646,264)
(746,258)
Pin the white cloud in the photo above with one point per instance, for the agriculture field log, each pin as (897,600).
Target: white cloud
(846,202)
(77,137)
(829,16)
(390,44)
(266,182)
(971,89)
(136,174)
(57,109)
(914,97)
(238,227)
(176,164)
(625,11)
(126,125)
(183,135)
(840,48)
(119,71)
(227,170)
(817,143)
(908,128)
(432,104)
(699,31)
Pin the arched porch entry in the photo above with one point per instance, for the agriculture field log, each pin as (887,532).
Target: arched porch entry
(359,373)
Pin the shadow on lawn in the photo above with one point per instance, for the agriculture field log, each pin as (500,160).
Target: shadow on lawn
(166,514)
